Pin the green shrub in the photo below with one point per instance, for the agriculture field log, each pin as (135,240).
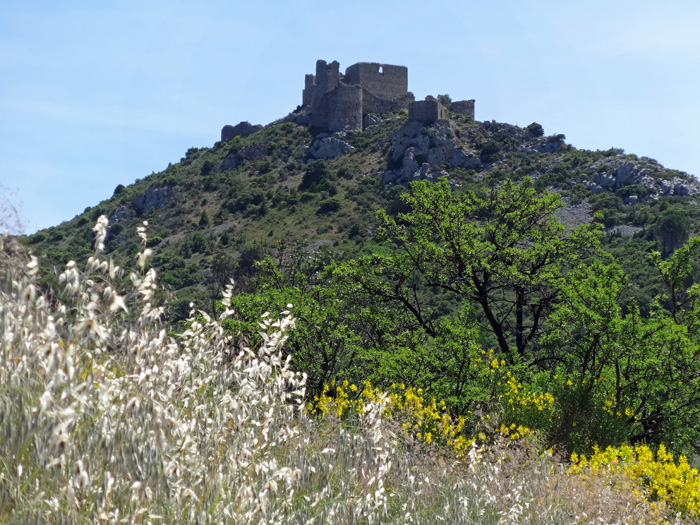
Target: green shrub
(535,129)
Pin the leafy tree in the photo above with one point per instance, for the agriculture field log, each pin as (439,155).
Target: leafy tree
(331,327)
(505,253)
(643,368)
(204,220)
(316,177)
(535,129)
(672,229)
(327,206)
(445,100)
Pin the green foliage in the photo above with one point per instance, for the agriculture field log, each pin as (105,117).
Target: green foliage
(207,167)
(316,177)
(445,100)
(448,275)
(672,229)
(195,243)
(204,220)
(505,252)
(327,206)
(489,151)
(38,238)
(535,129)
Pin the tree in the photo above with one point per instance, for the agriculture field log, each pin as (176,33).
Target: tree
(504,252)
(535,129)
(335,331)
(445,100)
(644,368)
(204,221)
(672,229)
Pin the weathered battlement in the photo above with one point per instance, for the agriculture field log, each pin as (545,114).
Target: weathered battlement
(337,101)
(426,111)
(463,107)
(382,80)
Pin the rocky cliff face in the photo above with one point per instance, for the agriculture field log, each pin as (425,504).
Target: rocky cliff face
(617,172)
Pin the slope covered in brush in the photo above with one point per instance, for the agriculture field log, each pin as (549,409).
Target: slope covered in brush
(221,208)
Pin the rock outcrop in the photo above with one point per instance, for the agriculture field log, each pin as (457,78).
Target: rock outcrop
(615,172)
(242,129)
(421,151)
(330,146)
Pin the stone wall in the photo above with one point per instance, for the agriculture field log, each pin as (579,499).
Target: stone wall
(426,111)
(327,77)
(377,105)
(463,107)
(339,109)
(336,101)
(309,92)
(383,80)
(345,108)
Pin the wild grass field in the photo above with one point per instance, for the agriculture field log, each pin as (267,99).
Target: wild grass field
(106,417)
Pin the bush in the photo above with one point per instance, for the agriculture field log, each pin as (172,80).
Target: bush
(106,417)
(535,130)
(445,100)
(37,238)
(327,206)
(316,177)
(207,168)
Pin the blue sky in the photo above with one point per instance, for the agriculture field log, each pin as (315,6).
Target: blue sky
(96,94)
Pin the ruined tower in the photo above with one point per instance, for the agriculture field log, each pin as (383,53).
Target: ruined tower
(340,102)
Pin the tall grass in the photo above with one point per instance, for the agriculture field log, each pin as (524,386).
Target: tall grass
(104,417)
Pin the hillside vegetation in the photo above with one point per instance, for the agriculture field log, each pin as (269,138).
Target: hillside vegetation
(220,209)
(480,291)
(107,418)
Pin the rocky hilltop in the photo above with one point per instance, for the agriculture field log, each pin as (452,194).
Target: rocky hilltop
(319,174)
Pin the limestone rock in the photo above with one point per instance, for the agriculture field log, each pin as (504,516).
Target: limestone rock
(460,159)
(251,152)
(434,143)
(328,147)
(122,213)
(242,129)
(154,197)
(370,119)
(612,173)
(420,150)
(231,162)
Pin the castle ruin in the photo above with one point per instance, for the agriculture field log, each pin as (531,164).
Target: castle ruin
(339,102)
(354,100)
(345,102)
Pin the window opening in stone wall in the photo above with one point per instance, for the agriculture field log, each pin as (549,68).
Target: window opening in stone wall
(381,70)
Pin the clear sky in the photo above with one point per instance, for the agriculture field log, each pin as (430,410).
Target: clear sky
(99,93)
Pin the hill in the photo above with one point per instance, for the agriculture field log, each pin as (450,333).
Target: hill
(492,281)
(219,209)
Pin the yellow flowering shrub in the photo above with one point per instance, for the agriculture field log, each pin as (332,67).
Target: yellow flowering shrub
(661,477)
(523,405)
(426,419)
